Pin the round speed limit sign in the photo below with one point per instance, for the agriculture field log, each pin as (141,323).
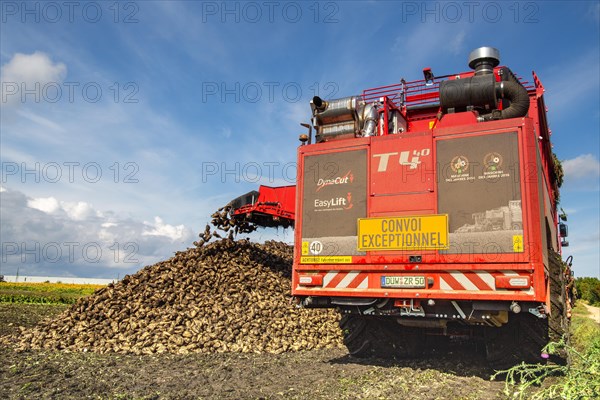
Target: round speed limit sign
(316,247)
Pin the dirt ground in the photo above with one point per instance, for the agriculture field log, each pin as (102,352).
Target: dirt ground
(458,372)
(594,312)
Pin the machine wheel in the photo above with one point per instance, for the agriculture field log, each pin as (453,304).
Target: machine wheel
(525,335)
(367,336)
(558,320)
(521,339)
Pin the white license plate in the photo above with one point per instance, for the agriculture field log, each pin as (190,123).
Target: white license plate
(405,282)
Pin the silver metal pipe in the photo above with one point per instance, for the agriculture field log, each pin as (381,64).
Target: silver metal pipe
(334,111)
(370,117)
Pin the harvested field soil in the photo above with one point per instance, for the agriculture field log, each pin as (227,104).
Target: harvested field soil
(459,372)
(16,316)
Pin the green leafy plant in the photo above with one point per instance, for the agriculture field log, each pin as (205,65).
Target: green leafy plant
(578,379)
(558,170)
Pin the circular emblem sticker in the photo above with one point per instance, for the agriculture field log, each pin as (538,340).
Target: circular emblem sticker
(459,164)
(492,161)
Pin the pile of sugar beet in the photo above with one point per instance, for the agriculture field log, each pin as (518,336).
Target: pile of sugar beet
(223,296)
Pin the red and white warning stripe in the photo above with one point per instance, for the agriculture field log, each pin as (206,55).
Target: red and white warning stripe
(475,280)
(346,280)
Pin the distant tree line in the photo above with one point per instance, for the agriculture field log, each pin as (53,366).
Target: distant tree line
(588,289)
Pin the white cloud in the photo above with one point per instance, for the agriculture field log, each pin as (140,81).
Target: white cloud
(159,228)
(49,205)
(115,244)
(106,236)
(30,72)
(32,68)
(77,211)
(109,232)
(583,166)
(2,189)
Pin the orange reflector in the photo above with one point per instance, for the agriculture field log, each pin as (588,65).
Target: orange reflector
(513,282)
(310,280)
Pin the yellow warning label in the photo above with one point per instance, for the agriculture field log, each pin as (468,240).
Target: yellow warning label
(431,124)
(420,232)
(326,260)
(518,243)
(304,248)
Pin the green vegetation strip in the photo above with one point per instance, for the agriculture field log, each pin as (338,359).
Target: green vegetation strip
(44,293)
(579,379)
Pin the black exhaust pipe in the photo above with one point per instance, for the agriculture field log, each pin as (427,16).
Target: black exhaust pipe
(483,92)
(516,94)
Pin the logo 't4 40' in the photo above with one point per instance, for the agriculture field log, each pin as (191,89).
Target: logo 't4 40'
(404,158)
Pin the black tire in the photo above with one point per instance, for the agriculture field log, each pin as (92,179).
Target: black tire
(356,337)
(521,339)
(525,335)
(558,322)
(367,336)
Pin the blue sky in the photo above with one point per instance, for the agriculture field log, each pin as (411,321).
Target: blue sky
(124,125)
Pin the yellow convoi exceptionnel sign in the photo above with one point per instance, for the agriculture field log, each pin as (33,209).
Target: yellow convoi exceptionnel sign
(418,232)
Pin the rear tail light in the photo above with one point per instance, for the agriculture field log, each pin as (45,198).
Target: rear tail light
(310,280)
(513,282)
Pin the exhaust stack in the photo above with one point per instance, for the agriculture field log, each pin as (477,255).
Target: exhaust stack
(481,92)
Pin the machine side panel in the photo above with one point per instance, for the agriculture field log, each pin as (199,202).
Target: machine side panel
(334,196)
(479,189)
